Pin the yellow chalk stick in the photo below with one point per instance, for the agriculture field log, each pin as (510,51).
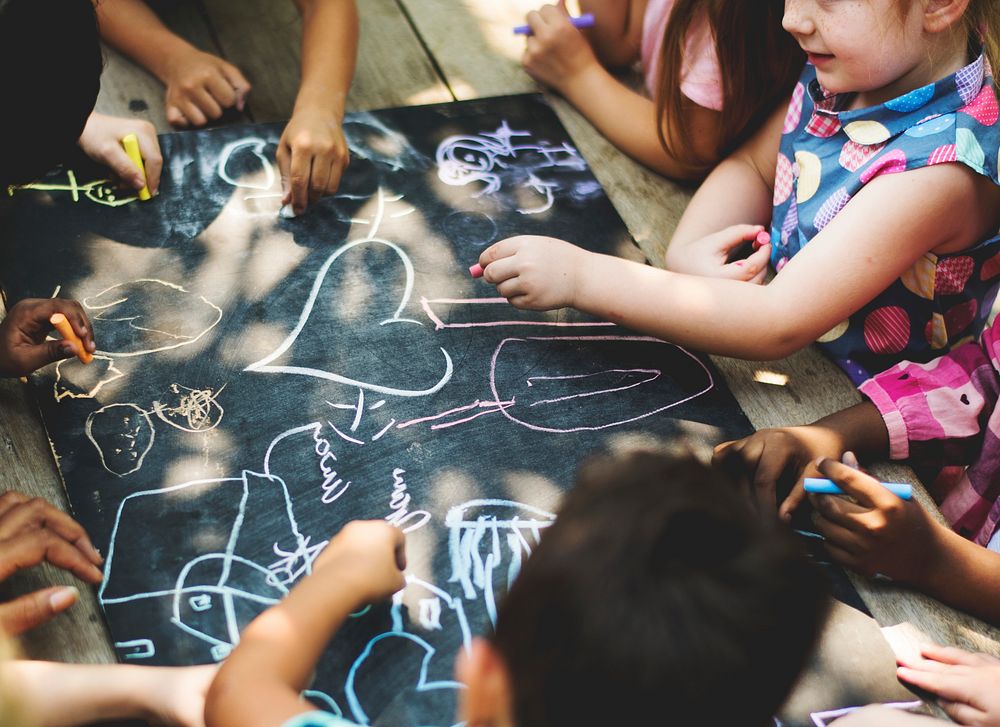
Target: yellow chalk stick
(131,145)
(66,331)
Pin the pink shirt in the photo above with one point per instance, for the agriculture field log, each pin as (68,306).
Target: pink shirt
(701,79)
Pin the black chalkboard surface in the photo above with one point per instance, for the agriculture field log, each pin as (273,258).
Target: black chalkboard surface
(262,381)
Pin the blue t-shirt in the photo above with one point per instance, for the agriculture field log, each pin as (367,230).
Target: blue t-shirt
(828,154)
(319,718)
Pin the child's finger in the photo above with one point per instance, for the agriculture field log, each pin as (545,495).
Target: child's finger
(953,687)
(239,83)
(793,501)
(840,511)
(735,235)
(192,113)
(118,161)
(498,250)
(299,173)
(964,713)
(208,105)
(34,609)
(152,159)
(840,537)
(511,288)
(953,655)
(175,117)
(863,488)
(221,89)
(501,270)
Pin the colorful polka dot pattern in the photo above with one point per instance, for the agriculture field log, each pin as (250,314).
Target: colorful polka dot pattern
(830,152)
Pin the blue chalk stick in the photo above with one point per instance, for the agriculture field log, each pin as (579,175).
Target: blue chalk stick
(820,486)
(583,21)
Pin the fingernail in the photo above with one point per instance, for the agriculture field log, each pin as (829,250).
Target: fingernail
(63,598)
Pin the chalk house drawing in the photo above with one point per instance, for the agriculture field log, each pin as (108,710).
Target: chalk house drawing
(219,580)
(495,159)
(268,365)
(147,315)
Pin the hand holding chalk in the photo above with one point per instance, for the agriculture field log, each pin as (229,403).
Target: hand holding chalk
(66,331)
(582,21)
(25,340)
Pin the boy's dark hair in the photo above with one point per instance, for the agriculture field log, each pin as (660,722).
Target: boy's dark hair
(657,593)
(51,59)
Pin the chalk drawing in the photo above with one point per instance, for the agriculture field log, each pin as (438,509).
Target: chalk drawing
(136,649)
(211,582)
(266,365)
(196,410)
(123,434)
(99,191)
(369,138)
(480,534)
(255,145)
(491,158)
(442,600)
(401,516)
(151,315)
(824,719)
(102,368)
(500,389)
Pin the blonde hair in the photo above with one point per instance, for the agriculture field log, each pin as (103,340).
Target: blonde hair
(759,63)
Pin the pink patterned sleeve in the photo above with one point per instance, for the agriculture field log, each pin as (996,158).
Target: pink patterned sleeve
(940,409)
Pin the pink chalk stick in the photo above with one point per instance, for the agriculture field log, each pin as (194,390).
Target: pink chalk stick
(476,271)
(763,238)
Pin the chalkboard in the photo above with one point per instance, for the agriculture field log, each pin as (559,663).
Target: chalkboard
(262,381)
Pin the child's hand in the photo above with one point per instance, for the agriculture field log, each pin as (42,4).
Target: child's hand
(708,256)
(33,531)
(23,344)
(534,273)
(371,553)
(199,86)
(312,156)
(772,456)
(556,53)
(967,685)
(102,138)
(175,696)
(878,532)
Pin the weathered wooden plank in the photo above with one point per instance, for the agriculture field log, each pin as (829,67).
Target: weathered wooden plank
(262,37)
(26,465)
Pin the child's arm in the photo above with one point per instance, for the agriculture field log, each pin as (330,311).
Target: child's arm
(261,681)
(847,265)
(199,85)
(617,33)
(877,716)
(876,532)
(65,695)
(558,55)
(313,153)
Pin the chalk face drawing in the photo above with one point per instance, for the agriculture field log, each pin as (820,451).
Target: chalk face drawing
(511,161)
(260,382)
(99,191)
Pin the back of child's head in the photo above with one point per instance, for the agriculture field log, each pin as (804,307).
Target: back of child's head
(51,56)
(758,61)
(657,593)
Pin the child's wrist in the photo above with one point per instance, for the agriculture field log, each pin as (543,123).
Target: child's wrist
(583,81)
(163,52)
(320,98)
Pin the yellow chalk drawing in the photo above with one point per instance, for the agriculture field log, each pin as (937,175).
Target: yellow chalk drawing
(99,191)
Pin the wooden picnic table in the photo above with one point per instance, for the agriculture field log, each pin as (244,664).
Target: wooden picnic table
(416,52)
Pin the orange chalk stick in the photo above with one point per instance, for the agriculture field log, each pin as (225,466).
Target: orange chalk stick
(66,331)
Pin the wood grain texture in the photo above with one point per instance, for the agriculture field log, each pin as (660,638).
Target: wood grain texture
(262,37)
